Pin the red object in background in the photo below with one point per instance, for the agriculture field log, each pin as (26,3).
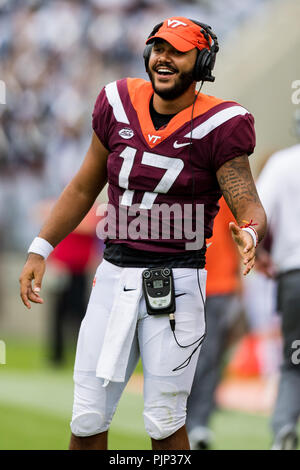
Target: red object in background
(246,360)
(75,252)
(81,248)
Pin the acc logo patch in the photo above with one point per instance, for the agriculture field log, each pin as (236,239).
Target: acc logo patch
(126,133)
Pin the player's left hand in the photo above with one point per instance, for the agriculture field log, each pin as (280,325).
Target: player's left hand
(245,245)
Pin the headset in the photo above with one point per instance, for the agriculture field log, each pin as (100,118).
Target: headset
(205,58)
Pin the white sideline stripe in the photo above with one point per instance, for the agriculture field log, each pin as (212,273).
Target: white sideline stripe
(114,100)
(215,121)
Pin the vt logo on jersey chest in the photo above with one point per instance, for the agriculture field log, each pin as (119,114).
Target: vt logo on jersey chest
(153,138)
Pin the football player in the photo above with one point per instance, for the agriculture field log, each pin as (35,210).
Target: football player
(166,152)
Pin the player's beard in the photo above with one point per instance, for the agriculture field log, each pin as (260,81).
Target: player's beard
(184,81)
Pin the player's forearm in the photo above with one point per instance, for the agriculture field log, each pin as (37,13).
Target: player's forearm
(68,212)
(239,190)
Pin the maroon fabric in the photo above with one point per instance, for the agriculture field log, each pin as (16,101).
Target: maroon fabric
(232,138)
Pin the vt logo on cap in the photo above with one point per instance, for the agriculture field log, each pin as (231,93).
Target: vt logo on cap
(174,23)
(181,33)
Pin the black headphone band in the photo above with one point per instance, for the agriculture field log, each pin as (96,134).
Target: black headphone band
(205,58)
(155,29)
(207,31)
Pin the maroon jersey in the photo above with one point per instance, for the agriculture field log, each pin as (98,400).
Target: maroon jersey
(148,168)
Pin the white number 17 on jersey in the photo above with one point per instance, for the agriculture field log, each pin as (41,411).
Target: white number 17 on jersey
(172,165)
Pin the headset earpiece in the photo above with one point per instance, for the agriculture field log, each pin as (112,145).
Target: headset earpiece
(201,69)
(148,47)
(146,55)
(206,58)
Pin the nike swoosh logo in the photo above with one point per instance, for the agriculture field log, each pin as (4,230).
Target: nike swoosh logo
(177,146)
(179,295)
(126,290)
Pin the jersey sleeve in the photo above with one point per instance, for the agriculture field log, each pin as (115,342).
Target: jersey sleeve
(233,139)
(101,118)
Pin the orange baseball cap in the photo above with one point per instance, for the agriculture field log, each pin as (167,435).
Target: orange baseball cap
(181,33)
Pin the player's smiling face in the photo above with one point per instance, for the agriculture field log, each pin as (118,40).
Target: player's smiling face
(171,71)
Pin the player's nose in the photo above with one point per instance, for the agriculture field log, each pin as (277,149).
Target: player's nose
(164,55)
(165,59)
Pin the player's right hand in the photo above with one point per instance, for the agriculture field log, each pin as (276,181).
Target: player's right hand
(245,246)
(33,270)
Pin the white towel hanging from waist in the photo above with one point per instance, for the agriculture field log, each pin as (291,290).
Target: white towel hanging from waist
(114,355)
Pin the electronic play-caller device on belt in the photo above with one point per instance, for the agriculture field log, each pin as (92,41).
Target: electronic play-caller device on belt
(158,288)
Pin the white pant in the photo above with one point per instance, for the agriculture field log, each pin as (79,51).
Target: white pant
(165,391)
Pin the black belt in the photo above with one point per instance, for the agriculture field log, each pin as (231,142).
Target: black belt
(124,256)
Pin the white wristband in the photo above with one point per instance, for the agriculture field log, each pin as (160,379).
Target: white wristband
(252,232)
(40,246)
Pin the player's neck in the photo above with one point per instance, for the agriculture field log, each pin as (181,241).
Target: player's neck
(174,106)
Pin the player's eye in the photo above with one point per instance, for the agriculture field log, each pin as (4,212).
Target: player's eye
(179,53)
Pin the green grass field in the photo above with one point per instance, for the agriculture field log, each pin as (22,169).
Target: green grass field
(36,403)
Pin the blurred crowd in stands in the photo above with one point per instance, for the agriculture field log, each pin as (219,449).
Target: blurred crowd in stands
(55,56)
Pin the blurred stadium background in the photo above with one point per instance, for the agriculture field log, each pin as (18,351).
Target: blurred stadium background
(55,56)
